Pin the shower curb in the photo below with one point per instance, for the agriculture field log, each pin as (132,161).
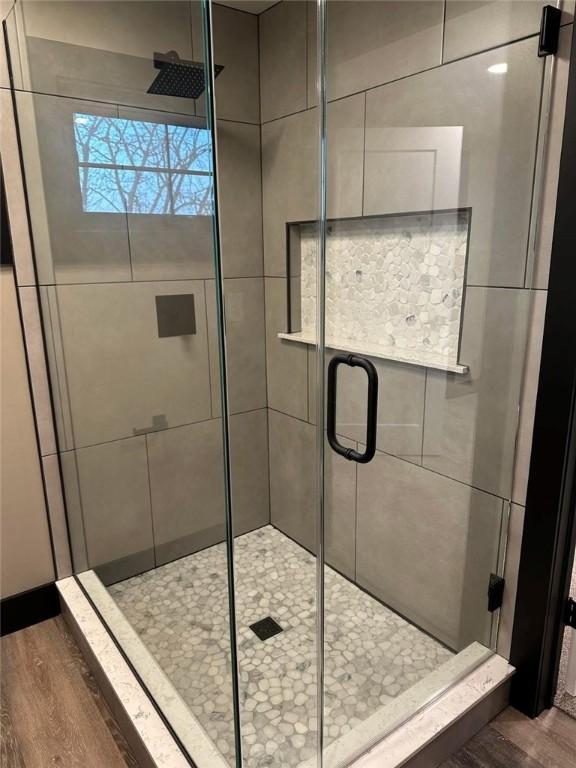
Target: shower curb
(149,738)
(424,741)
(439,730)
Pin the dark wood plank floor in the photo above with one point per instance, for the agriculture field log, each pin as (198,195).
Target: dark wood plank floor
(52,712)
(514,741)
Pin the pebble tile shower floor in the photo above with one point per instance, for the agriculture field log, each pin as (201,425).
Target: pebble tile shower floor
(180,611)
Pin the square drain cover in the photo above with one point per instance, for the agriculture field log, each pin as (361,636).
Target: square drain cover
(266,628)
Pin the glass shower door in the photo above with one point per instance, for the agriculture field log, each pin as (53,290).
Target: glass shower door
(267,175)
(432,148)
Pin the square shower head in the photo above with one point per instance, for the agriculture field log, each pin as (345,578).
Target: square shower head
(178,77)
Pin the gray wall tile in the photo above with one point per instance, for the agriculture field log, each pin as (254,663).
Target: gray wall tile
(240,197)
(120,375)
(169,247)
(187,488)
(294,494)
(370,43)
(426,547)
(471,420)
(538,276)
(103,51)
(283,60)
(286,362)
(181,247)
(70,245)
(113,485)
(292,472)
(528,397)
(499,116)
(245,344)
(235,36)
(345,160)
(187,483)
(290,167)
(400,405)
(250,470)
(340,514)
(476,26)
(289,181)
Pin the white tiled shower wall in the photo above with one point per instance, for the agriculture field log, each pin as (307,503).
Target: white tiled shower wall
(427,511)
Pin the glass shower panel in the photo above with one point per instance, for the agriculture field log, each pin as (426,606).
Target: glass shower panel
(432,145)
(267,129)
(117,155)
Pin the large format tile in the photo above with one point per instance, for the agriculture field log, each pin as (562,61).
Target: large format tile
(345,156)
(103,50)
(294,505)
(369,43)
(497,113)
(289,181)
(168,245)
(471,420)
(528,397)
(290,151)
(187,488)
(122,377)
(473,26)
(115,501)
(187,483)
(537,274)
(283,60)
(70,244)
(245,344)
(340,512)
(240,199)
(235,41)
(426,547)
(249,470)
(400,405)
(286,362)
(292,445)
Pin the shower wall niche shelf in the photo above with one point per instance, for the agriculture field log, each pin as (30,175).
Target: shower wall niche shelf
(394,285)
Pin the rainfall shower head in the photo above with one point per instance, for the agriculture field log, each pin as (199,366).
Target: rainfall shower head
(178,77)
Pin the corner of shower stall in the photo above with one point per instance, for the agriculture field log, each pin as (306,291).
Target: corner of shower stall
(289,267)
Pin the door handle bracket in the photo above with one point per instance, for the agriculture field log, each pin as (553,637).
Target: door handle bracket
(372,410)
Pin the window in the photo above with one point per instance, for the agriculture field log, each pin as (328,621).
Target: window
(132,166)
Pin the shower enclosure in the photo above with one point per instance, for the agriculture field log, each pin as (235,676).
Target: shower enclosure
(286,256)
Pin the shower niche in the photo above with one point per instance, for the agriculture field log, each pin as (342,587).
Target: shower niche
(395,285)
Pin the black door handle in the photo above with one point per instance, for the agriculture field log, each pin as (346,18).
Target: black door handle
(372,411)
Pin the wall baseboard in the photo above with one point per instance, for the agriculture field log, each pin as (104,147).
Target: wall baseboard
(28,608)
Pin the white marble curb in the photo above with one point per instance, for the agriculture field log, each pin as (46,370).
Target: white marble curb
(159,742)
(423,728)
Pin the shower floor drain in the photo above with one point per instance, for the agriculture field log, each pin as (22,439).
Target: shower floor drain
(266,628)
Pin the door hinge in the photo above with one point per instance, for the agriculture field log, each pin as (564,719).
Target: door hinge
(495,592)
(570,613)
(549,30)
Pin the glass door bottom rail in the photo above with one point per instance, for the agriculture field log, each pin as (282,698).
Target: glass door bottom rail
(373,656)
